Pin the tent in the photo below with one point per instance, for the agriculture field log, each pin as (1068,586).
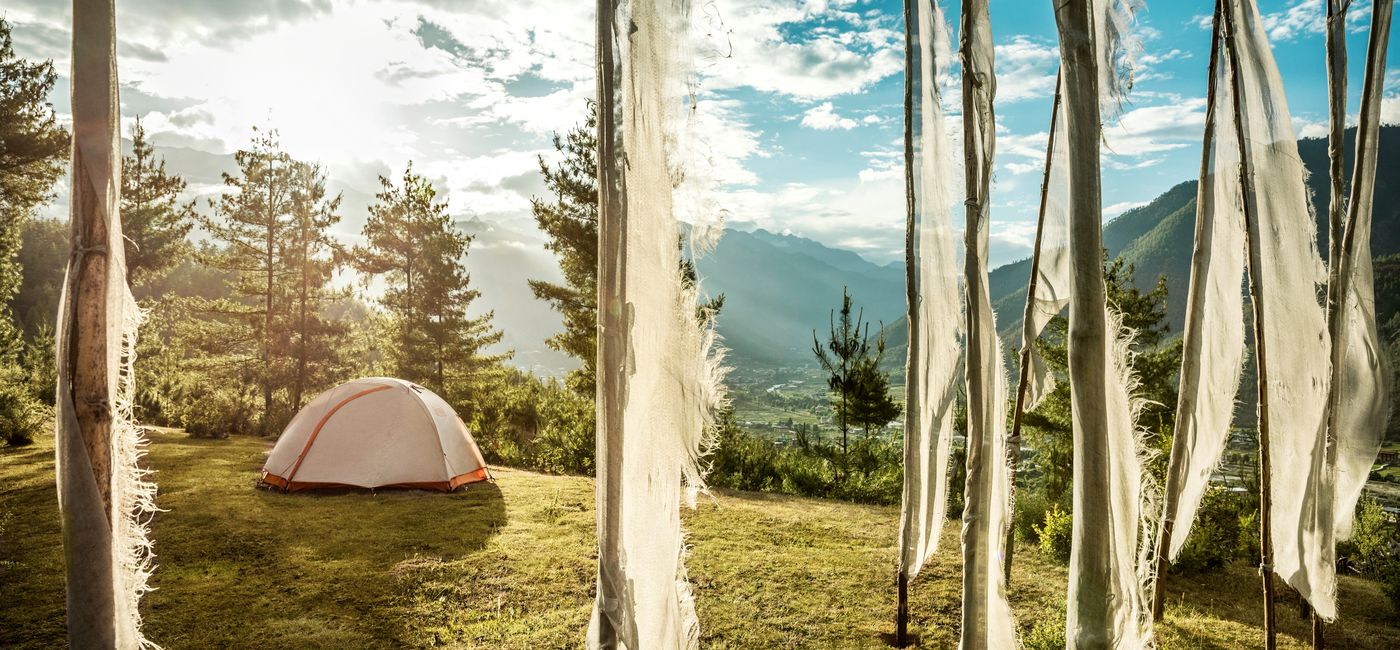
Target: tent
(375,432)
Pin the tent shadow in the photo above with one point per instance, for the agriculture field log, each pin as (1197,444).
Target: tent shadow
(427,522)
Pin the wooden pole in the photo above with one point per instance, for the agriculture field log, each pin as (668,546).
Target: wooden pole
(1090,616)
(613,330)
(912,385)
(901,630)
(1255,263)
(1013,442)
(1189,363)
(1336,46)
(1343,219)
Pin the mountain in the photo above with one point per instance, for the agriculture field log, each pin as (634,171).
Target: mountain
(1157,239)
(778,288)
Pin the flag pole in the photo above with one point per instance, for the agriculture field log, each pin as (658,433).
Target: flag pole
(613,335)
(1336,99)
(1342,253)
(1194,298)
(1013,442)
(911,288)
(1255,263)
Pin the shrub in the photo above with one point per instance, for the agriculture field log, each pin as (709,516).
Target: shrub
(1048,634)
(1218,536)
(1375,539)
(1374,548)
(218,412)
(1031,506)
(1056,534)
(22,415)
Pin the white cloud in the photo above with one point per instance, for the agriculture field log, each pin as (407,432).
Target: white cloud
(823,117)
(1119,208)
(1309,17)
(843,53)
(1025,69)
(1155,129)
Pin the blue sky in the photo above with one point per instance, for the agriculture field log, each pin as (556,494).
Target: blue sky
(801,100)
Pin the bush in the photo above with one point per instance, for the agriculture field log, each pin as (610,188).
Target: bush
(22,415)
(208,412)
(1056,534)
(1031,505)
(1375,539)
(1049,633)
(1374,548)
(1219,536)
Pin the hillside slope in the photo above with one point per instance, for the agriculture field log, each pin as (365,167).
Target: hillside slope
(778,288)
(510,564)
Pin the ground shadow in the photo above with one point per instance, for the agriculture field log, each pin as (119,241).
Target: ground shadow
(313,568)
(1233,593)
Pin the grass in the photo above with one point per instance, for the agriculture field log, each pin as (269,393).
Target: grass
(511,565)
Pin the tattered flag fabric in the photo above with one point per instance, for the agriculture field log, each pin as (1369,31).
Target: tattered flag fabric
(1110,561)
(935,313)
(1213,343)
(1051,262)
(103,497)
(1362,389)
(658,382)
(1286,277)
(987,621)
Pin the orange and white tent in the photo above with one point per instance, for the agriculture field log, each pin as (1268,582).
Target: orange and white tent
(375,432)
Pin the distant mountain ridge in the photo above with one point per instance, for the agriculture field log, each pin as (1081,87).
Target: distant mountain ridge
(780,287)
(1157,239)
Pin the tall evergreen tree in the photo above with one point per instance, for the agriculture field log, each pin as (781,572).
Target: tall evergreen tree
(870,404)
(1155,362)
(570,220)
(310,259)
(846,348)
(414,246)
(254,222)
(154,222)
(33,152)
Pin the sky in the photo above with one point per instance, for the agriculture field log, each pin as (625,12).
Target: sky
(799,101)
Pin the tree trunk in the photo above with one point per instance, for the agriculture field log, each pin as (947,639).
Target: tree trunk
(267,304)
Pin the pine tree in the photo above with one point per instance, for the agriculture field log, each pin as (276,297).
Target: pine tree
(414,246)
(847,346)
(570,220)
(253,225)
(870,403)
(33,153)
(1050,426)
(154,222)
(310,259)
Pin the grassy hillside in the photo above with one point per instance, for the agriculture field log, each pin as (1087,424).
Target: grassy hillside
(511,565)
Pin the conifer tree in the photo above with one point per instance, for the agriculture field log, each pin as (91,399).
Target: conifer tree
(846,348)
(570,220)
(154,222)
(310,259)
(413,245)
(870,404)
(254,222)
(33,152)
